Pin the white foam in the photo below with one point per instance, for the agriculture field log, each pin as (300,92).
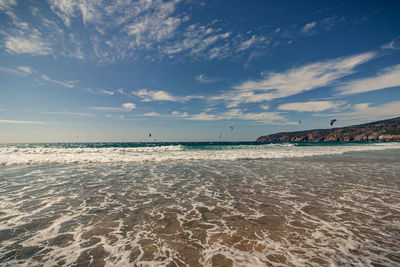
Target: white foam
(243,189)
(12,155)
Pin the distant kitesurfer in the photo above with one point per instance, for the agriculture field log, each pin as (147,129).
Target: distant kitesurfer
(298,122)
(333,121)
(231,128)
(149,135)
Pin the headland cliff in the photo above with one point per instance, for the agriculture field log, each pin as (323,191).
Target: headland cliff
(385,130)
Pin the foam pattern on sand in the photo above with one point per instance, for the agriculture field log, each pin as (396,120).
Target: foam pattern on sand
(212,213)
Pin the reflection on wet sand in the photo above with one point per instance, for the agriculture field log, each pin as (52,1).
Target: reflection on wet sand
(237,213)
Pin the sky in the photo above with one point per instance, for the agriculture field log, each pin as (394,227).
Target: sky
(220,70)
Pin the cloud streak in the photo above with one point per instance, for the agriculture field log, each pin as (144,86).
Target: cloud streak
(111,31)
(21,122)
(25,69)
(308,27)
(161,95)
(237,114)
(389,77)
(125,107)
(27,45)
(395,44)
(6,4)
(68,84)
(294,81)
(202,78)
(148,95)
(12,71)
(311,106)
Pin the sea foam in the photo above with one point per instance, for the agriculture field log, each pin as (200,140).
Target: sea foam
(44,154)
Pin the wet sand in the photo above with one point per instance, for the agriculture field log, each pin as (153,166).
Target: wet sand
(340,210)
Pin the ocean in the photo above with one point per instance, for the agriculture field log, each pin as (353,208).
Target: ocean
(200,204)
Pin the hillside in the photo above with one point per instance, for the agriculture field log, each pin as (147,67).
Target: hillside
(385,130)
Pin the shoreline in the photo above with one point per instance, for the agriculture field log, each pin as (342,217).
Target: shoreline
(330,209)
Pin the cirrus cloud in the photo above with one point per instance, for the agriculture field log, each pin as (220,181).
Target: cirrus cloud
(125,107)
(148,95)
(311,106)
(294,81)
(388,77)
(21,122)
(22,45)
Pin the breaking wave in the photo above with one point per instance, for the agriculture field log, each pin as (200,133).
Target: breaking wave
(107,153)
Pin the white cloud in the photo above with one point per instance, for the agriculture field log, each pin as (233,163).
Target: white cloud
(201,42)
(121,91)
(237,114)
(264,107)
(294,81)
(308,27)
(124,108)
(89,10)
(232,114)
(389,77)
(152,114)
(64,9)
(202,78)
(395,44)
(129,106)
(6,4)
(21,122)
(25,69)
(156,26)
(18,23)
(311,106)
(203,116)
(69,84)
(160,95)
(106,92)
(120,28)
(219,52)
(11,71)
(253,41)
(110,31)
(22,45)
(189,97)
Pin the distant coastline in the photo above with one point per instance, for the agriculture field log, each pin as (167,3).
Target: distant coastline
(385,130)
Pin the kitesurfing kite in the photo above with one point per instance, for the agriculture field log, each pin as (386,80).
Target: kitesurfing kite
(333,121)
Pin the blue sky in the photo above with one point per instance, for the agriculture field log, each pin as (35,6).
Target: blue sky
(94,70)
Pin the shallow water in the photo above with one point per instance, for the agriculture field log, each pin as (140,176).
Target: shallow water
(340,210)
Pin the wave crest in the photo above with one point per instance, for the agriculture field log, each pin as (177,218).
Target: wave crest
(14,155)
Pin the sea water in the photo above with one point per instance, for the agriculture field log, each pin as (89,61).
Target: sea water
(200,204)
